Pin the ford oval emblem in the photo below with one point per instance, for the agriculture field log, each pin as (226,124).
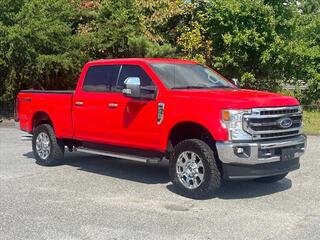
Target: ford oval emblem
(285,122)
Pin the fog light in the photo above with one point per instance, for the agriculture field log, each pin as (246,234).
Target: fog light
(239,150)
(242,152)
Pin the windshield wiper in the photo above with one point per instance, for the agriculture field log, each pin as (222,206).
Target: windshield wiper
(200,87)
(222,87)
(188,87)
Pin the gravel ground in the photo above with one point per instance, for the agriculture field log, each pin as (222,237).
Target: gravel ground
(95,197)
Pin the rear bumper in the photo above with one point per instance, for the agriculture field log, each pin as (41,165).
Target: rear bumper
(246,160)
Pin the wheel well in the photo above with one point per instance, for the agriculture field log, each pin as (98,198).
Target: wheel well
(190,130)
(41,118)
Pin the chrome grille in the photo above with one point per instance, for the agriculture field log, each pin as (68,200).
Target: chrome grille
(265,123)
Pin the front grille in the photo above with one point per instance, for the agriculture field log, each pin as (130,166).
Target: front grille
(266,123)
(281,111)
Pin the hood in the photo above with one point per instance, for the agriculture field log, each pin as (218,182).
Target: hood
(238,98)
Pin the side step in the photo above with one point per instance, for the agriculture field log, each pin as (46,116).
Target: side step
(26,138)
(118,155)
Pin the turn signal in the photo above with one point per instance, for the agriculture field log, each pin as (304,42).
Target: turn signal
(225,115)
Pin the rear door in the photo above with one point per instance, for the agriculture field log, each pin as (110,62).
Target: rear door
(92,105)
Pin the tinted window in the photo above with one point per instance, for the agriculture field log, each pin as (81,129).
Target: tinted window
(100,78)
(189,76)
(133,71)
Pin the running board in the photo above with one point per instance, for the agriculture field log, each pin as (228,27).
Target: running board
(26,138)
(118,155)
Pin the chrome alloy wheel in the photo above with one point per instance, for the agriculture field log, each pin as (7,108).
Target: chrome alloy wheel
(190,170)
(43,145)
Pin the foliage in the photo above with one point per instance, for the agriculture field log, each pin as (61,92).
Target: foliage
(264,43)
(192,39)
(311,122)
(141,47)
(244,35)
(39,50)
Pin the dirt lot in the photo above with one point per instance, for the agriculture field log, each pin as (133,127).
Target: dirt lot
(95,197)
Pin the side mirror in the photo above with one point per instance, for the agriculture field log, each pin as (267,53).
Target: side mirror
(132,87)
(235,81)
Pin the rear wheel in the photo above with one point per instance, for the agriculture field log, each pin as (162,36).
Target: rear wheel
(271,179)
(193,169)
(47,149)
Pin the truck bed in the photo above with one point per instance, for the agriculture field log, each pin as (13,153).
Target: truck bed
(49,91)
(56,104)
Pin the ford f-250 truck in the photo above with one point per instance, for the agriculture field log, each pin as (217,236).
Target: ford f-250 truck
(150,109)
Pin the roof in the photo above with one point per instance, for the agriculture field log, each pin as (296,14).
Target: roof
(144,60)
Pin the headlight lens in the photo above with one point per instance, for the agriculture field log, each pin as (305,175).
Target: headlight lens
(232,120)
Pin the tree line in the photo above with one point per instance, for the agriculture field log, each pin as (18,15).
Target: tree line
(263,43)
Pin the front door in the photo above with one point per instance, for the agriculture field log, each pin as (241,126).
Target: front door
(135,119)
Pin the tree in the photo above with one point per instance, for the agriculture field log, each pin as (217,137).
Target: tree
(298,28)
(264,43)
(38,47)
(243,35)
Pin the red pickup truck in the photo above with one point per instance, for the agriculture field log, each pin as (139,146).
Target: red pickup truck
(151,109)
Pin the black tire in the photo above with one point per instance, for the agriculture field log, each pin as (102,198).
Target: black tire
(271,179)
(56,146)
(212,177)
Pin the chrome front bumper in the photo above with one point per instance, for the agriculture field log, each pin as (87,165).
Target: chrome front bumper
(260,152)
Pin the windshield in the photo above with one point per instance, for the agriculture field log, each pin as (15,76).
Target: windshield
(184,76)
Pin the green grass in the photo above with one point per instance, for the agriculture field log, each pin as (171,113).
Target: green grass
(311,121)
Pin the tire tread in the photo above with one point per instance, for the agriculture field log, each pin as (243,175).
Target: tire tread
(209,187)
(57,147)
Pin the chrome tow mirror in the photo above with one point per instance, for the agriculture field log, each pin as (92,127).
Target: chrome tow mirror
(132,87)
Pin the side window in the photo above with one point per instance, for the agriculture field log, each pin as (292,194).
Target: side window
(133,71)
(100,78)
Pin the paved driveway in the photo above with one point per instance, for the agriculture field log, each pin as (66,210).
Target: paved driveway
(95,197)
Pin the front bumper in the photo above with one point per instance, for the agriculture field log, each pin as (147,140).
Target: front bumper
(245,160)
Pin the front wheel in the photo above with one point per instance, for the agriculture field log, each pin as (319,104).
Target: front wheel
(47,149)
(271,179)
(193,169)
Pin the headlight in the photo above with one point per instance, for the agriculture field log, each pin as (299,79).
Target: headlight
(232,120)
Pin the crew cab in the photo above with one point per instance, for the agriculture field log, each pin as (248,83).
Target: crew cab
(153,109)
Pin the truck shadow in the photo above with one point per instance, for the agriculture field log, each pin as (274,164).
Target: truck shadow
(252,189)
(158,174)
(117,168)
(245,189)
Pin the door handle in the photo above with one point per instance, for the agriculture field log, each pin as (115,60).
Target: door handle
(78,103)
(113,105)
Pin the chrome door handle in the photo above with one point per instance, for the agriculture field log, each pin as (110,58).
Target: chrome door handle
(113,105)
(78,103)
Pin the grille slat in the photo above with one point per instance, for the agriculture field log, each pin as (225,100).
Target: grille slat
(273,115)
(264,123)
(272,126)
